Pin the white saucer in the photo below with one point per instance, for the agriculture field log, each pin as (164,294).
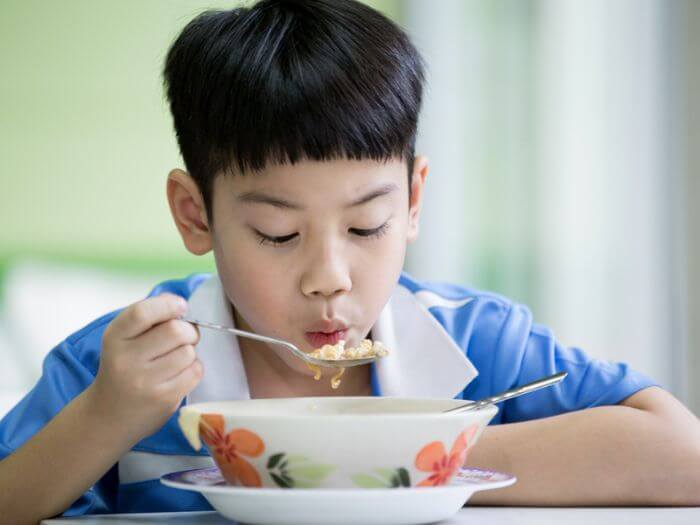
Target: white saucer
(396,506)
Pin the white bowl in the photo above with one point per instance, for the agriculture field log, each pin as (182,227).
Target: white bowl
(335,442)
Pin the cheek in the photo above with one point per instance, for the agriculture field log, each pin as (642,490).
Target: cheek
(391,249)
(377,274)
(252,284)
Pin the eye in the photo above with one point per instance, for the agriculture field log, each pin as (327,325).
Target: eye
(274,241)
(371,233)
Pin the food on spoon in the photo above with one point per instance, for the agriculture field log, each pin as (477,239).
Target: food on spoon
(338,352)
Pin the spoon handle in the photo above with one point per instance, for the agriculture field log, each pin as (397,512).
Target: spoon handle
(236,331)
(331,363)
(509,394)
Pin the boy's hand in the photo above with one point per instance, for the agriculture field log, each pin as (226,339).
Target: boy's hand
(147,365)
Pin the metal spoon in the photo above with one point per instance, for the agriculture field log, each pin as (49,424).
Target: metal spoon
(334,363)
(509,394)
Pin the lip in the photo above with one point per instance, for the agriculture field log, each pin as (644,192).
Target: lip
(318,339)
(327,326)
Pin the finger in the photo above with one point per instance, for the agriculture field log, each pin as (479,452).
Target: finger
(184,382)
(164,338)
(142,316)
(171,364)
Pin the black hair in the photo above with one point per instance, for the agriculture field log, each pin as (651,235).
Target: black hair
(287,80)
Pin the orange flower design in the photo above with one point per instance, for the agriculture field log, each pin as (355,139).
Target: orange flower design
(433,458)
(228,450)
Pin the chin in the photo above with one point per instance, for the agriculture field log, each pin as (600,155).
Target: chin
(297,365)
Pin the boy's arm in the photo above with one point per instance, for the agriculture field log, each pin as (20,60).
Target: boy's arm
(644,451)
(147,365)
(49,472)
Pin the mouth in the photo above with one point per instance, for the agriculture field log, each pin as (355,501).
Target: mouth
(318,339)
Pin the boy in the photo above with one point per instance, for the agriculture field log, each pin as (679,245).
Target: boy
(296,121)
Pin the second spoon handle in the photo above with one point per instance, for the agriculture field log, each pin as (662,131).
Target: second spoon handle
(509,394)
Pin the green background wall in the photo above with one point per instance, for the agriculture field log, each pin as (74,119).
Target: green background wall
(86,139)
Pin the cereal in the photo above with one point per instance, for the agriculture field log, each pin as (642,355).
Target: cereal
(338,352)
(316,369)
(335,380)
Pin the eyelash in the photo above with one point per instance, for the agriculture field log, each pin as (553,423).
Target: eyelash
(374,233)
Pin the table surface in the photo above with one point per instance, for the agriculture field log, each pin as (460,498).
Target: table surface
(471,515)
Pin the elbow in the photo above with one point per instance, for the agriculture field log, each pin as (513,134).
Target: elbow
(685,491)
(695,497)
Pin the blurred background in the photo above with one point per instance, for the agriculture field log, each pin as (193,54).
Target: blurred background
(563,137)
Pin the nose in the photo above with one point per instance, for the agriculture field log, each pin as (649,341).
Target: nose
(327,272)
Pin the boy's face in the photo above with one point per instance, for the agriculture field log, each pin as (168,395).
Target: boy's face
(310,252)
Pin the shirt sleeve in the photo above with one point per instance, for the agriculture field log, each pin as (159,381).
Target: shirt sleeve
(63,377)
(526,352)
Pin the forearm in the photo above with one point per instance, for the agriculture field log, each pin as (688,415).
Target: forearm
(49,472)
(614,455)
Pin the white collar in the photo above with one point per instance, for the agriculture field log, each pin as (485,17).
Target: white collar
(424,361)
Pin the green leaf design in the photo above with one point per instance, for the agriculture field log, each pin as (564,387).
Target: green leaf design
(281,482)
(404,477)
(310,472)
(288,479)
(302,484)
(296,471)
(385,473)
(383,477)
(274,459)
(368,482)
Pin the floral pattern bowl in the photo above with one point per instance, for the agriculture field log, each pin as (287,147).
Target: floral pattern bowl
(335,442)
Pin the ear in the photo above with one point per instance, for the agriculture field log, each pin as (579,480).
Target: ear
(420,172)
(189,212)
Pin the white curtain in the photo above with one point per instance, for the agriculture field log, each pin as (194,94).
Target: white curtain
(555,129)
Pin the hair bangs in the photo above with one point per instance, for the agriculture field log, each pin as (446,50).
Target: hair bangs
(285,81)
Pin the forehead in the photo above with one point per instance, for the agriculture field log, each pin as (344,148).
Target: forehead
(307,182)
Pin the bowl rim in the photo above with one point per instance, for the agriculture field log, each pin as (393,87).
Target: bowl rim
(201,408)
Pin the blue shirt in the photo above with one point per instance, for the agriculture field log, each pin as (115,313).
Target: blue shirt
(448,341)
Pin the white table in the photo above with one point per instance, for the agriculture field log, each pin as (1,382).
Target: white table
(468,515)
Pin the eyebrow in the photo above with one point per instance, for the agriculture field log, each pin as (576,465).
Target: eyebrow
(257,197)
